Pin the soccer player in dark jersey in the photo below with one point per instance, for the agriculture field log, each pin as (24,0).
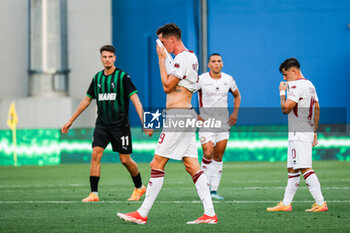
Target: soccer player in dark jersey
(112,88)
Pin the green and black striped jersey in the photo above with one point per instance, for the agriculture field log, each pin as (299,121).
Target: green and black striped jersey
(112,95)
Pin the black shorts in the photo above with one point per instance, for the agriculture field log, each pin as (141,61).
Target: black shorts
(120,138)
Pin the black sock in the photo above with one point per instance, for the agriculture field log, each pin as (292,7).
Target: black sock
(137,180)
(94,183)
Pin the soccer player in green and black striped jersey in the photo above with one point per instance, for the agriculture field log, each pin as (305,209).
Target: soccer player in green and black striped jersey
(112,88)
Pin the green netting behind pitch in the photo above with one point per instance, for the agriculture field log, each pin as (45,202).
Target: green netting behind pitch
(246,143)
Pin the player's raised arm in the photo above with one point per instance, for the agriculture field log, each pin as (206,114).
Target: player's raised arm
(82,106)
(287,105)
(139,109)
(169,82)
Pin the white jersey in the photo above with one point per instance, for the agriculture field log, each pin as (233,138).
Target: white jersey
(213,96)
(185,68)
(301,118)
(213,92)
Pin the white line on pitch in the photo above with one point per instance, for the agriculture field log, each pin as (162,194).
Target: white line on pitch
(55,188)
(174,182)
(38,185)
(161,202)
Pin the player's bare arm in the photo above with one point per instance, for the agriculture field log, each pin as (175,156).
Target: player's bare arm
(232,120)
(287,105)
(316,122)
(169,82)
(139,109)
(82,106)
(199,118)
(177,97)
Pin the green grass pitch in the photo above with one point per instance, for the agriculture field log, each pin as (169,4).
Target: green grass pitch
(48,199)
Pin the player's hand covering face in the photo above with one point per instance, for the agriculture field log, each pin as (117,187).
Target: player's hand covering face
(161,53)
(168,42)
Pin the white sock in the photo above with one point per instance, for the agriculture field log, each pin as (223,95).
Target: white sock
(292,187)
(216,171)
(153,188)
(314,186)
(202,188)
(206,165)
(96,193)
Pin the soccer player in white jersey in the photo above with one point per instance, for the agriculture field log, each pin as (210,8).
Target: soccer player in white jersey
(214,87)
(303,112)
(179,86)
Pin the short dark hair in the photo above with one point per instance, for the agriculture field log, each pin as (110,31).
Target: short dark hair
(170,29)
(214,54)
(108,48)
(288,63)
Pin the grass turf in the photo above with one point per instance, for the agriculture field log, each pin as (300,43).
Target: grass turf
(47,199)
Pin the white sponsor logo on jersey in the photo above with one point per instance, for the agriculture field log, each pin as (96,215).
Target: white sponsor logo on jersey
(107,96)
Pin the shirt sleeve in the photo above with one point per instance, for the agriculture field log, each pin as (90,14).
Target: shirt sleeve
(180,67)
(200,81)
(233,85)
(316,97)
(91,91)
(295,92)
(129,87)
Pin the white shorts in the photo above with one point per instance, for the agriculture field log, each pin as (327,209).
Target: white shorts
(176,145)
(214,137)
(299,154)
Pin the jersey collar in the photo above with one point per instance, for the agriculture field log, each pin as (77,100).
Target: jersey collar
(215,78)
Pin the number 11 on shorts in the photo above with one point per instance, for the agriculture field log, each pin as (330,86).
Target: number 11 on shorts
(125,140)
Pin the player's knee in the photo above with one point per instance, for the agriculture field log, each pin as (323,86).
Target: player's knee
(192,170)
(153,164)
(208,153)
(189,170)
(291,170)
(303,170)
(156,165)
(158,162)
(124,161)
(96,154)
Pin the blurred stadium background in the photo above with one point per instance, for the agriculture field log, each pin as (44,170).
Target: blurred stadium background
(50,52)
